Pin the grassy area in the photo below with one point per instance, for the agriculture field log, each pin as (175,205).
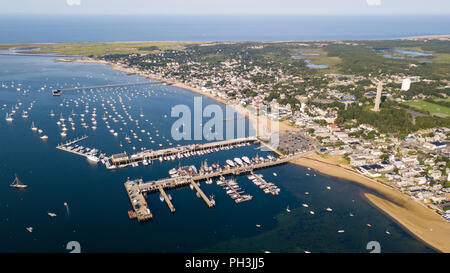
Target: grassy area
(432,108)
(323,58)
(100,48)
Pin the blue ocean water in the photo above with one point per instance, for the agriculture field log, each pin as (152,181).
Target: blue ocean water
(97,205)
(86,28)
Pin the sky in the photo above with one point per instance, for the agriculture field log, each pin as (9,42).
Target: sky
(211,7)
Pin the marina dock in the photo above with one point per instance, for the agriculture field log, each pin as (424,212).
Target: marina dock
(202,194)
(137,199)
(90,154)
(166,198)
(139,187)
(123,160)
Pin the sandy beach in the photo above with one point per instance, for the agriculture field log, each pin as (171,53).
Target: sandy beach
(419,220)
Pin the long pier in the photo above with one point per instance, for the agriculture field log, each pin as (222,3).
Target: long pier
(63,147)
(141,210)
(73,141)
(123,160)
(139,187)
(202,194)
(166,198)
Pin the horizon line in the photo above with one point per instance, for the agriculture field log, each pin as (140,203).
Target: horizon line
(227,14)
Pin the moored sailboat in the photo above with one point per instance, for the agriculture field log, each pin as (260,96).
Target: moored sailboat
(18,184)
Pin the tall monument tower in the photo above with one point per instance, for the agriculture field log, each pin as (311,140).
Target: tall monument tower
(378,97)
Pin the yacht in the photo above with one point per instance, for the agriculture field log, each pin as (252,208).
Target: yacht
(246,159)
(238,161)
(229,162)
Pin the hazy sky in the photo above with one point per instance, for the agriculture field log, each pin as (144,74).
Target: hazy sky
(226,6)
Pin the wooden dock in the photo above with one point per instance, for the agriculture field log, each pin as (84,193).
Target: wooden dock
(166,198)
(73,141)
(63,147)
(123,160)
(137,199)
(202,194)
(137,188)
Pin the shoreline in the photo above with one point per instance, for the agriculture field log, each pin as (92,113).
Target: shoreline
(416,218)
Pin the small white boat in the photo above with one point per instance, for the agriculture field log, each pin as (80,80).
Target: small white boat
(33,128)
(341,231)
(30,229)
(93,158)
(8,118)
(17,183)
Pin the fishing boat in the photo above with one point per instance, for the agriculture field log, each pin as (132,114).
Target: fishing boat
(17,184)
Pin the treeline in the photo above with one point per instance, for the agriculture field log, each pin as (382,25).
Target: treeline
(364,59)
(390,120)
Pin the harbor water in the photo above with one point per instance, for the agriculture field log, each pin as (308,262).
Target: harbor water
(90,201)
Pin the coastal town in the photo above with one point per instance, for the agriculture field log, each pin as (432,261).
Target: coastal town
(412,157)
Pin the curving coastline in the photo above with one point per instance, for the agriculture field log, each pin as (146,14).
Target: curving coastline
(419,220)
